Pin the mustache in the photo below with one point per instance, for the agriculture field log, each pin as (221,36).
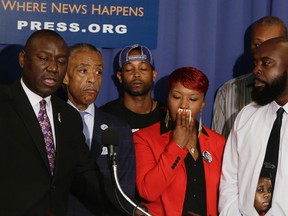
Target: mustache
(136,80)
(260,80)
(50,76)
(90,87)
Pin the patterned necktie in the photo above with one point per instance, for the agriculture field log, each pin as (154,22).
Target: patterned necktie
(47,133)
(272,150)
(85,128)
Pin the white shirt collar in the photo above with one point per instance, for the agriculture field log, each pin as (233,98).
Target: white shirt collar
(34,98)
(275,107)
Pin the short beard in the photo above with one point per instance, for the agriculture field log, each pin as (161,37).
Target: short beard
(270,92)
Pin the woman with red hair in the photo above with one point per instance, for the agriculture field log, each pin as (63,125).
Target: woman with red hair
(178,161)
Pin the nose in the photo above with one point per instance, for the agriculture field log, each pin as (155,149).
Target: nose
(136,73)
(256,70)
(184,103)
(266,194)
(91,77)
(52,66)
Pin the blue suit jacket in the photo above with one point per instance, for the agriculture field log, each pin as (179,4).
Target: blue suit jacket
(125,157)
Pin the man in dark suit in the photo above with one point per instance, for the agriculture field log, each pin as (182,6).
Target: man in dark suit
(83,81)
(30,182)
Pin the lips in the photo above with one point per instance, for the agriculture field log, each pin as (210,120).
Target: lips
(49,81)
(90,91)
(258,83)
(136,83)
(265,204)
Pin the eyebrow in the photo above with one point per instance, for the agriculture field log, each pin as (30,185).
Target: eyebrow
(84,64)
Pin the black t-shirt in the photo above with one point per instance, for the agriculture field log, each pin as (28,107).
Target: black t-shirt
(135,120)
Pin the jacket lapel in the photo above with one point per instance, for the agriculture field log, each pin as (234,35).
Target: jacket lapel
(205,145)
(27,115)
(57,119)
(96,146)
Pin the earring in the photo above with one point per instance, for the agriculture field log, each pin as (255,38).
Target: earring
(200,124)
(167,119)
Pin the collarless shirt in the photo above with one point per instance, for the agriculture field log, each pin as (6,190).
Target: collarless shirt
(243,159)
(34,100)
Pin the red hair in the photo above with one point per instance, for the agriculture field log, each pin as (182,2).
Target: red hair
(190,78)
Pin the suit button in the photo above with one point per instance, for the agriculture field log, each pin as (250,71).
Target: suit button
(53,187)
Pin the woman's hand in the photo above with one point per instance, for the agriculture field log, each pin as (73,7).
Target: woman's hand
(184,129)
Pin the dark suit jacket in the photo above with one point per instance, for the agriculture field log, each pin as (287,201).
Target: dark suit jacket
(125,158)
(125,150)
(26,186)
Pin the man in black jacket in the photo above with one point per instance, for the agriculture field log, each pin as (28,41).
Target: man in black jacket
(36,179)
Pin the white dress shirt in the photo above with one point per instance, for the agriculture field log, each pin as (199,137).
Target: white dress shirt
(35,103)
(243,159)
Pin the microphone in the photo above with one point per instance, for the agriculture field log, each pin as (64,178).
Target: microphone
(110,139)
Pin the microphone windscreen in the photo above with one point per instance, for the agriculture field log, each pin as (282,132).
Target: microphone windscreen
(110,137)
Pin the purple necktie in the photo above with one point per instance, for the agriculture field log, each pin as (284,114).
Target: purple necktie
(47,133)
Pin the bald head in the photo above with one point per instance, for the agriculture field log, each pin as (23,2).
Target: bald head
(44,33)
(266,28)
(275,48)
(44,62)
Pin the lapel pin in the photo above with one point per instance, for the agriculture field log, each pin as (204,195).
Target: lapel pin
(103,126)
(59,117)
(207,156)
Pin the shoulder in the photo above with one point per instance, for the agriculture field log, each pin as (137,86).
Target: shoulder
(149,131)
(250,112)
(65,110)
(111,119)
(59,103)
(3,91)
(149,136)
(214,135)
(213,142)
(241,79)
(110,106)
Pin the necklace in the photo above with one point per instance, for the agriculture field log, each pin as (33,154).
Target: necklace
(192,150)
(151,108)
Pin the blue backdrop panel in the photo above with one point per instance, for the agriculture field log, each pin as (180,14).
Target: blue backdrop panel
(104,23)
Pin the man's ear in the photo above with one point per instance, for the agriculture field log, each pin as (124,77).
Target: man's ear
(21,58)
(66,79)
(154,75)
(119,76)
